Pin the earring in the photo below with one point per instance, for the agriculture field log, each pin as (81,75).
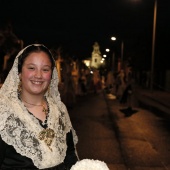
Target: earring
(48,90)
(19,87)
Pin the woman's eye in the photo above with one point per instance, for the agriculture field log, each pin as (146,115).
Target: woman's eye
(46,69)
(31,68)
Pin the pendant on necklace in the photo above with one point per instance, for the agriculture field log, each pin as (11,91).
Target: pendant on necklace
(45,110)
(47,136)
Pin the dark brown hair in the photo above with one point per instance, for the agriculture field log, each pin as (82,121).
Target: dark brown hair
(31,49)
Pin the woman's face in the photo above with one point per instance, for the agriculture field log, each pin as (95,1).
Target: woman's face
(36,73)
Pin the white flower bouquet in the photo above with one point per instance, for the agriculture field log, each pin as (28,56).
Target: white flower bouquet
(90,164)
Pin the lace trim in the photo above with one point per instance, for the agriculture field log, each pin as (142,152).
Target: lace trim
(23,133)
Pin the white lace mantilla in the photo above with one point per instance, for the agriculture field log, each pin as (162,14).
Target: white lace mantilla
(21,129)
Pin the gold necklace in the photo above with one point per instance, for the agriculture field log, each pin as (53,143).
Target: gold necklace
(43,106)
(47,135)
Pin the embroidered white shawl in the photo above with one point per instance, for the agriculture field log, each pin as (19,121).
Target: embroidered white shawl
(21,129)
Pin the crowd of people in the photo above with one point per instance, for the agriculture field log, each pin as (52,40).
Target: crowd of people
(119,84)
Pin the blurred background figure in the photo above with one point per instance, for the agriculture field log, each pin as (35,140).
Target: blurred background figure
(96,81)
(110,82)
(68,87)
(121,84)
(126,95)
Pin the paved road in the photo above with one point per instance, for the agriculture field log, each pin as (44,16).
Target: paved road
(157,101)
(138,141)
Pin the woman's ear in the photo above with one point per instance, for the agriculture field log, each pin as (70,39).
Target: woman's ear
(19,76)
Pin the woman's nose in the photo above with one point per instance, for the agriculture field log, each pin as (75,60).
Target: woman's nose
(38,74)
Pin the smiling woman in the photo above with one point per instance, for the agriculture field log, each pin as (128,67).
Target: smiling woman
(35,76)
(35,128)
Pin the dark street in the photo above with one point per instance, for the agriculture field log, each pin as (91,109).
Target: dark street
(138,140)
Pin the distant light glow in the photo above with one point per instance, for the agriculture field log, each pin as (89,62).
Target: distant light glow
(87,63)
(107,49)
(113,38)
(104,55)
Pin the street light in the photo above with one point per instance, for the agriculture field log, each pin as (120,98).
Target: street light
(113,38)
(122,49)
(107,49)
(153,45)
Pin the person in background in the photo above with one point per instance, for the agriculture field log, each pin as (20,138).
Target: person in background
(35,128)
(110,82)
(120,83)
(128,87)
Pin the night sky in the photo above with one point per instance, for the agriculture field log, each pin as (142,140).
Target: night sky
(77,24)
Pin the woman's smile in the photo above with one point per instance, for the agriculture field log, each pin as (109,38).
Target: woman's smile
(37,82)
